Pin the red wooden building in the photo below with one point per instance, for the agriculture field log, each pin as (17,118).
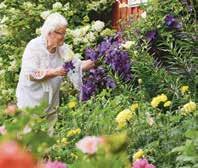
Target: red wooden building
(122,9)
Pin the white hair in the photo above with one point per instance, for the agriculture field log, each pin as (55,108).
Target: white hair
(53,21)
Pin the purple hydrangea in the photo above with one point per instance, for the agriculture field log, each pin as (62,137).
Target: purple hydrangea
(68,66)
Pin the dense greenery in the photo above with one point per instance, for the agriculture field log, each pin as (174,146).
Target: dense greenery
(155,111)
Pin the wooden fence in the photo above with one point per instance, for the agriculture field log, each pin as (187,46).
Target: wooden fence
(122,13)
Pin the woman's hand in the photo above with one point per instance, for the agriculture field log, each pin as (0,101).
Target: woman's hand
(87,64)
(59,71)
(56,72)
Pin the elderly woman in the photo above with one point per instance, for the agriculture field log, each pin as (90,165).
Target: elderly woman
(42,67)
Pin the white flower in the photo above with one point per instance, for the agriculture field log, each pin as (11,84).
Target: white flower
(38,31)
(27,4)
(143,15)
(45,14)
(98,25)
(66,6)
(90,36)
(57,5)
(27,129)
(2,5)
(76,33)
(128,44)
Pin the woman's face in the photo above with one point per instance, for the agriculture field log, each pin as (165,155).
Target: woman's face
(56,38)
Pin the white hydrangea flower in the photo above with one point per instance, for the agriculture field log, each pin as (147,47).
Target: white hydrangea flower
(76,41)
(128,44)
(98,25)
(76,33)
(45,14)
(57,5)
(90,36)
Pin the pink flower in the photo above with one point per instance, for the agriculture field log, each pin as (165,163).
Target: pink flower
(142,163)
(13,156)
(55,164)
(89,144)
(2,130)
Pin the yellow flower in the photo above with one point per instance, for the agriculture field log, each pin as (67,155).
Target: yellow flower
(163,98)
(158,99)
(134,106)
(189,107)
(123,117)
(184,89)
(72,104)
(64,140)
(73,132)
(167,104)
(73,155)
(138,155)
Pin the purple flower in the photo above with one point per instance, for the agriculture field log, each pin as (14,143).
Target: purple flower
(110,83)
(68,66)
(55,164)
(91,54)
(172,23)
(151,35)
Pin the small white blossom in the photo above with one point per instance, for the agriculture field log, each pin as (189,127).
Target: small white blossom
(128,44)
(57,5)
(66,6)
(90,36)
(98,25)
(27,4)
(143,15)
(45,14)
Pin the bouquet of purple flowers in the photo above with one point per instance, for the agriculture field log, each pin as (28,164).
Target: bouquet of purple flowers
(68,66)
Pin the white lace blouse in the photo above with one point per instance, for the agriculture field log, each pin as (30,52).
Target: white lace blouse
(36,58)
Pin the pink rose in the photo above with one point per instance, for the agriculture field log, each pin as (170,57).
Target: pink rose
(89,144)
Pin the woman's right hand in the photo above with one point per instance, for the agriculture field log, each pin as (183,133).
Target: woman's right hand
(56,72)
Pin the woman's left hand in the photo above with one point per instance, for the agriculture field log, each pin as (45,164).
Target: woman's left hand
(87,64)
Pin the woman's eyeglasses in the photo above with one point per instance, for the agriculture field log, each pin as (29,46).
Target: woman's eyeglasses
(60,33)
